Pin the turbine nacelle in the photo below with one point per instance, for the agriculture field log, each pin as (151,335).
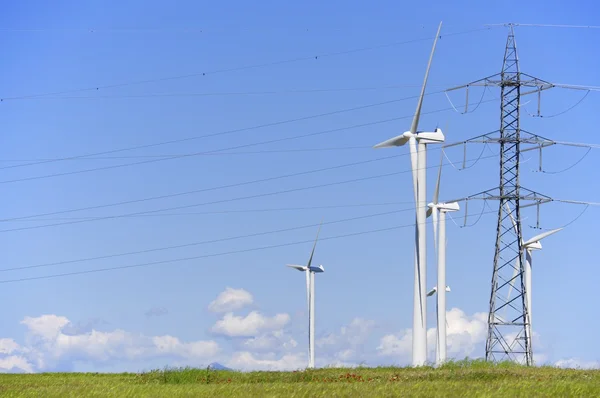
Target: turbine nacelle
(434,291)
(445,207)
(537,245)
(436,137)
(423,137)
(317,269)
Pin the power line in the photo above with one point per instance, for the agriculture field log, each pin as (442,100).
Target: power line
(208,30)
(213,188)
(178,260)
(260,152)
(264,210)
(191,154)
(239,68)
(205,242)
(225,132)
(235,238)
(195,154)
(263,152)
(541,25)
(234,93)
(261,195)
(576,202)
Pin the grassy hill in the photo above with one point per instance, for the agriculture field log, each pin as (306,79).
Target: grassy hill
(452,380)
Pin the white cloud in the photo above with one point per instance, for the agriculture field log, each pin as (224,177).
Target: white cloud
(251,325)
(15,364)
(45,326)
(272,341)
(8,346)
(48,344)
(347,344)
(396,345)
(248,361)
(198,349)
(577,364)
(354,334)
(231,300)
(465,334)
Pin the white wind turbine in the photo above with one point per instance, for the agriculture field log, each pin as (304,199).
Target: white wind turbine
(438,212)
(528,246)
(418,160)
(310,271)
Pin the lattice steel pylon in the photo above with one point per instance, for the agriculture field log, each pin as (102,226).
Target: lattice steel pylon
(508,249)
(509,329)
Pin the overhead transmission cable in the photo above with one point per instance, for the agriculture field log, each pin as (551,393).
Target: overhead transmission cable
(305,226)
(238,68)
(179,260)
(230,211)
(239,198)
(198,153)
(261,152)
(542,25)
(235,93)
(65,262)
(233,185)
(224,132)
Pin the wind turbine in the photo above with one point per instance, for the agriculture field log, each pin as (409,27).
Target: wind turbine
(438,345)
(438,212)
(528,246)
(310,271)
(418,141)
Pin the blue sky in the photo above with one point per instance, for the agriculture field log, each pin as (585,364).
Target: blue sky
(72,45)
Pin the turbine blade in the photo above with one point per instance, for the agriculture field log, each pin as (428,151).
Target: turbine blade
(308,289)
(434,213)
(413,165)
(512,281)
(392,142)
(436,193)
(514,222)
(541,236)
(298,267)
(312,253)
(415,122)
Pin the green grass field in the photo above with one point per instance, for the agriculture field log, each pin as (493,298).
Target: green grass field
(453,380)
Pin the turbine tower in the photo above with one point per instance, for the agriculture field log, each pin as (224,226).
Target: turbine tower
(310,271)
(418,141)
(438,211)
(529,246)
(440,341)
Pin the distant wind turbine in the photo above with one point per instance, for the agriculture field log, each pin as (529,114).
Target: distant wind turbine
(438,211)
(418,141)
(310,271)
(528,246)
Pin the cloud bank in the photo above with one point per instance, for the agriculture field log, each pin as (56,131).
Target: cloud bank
(250,341)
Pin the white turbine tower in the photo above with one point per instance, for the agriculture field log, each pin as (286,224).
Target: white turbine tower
(310,271)
(418,160)
(528,246)
(438,345)
(438,211)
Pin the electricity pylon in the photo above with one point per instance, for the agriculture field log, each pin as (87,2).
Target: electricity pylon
(509,331)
